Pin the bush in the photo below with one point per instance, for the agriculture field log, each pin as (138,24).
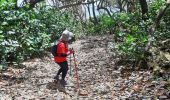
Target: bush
(26,33)
(133,34)
(105,25)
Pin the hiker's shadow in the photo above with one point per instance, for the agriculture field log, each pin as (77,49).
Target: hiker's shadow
(56,85)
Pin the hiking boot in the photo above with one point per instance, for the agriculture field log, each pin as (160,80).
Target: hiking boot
(55,81)
(56,77)
(63,82)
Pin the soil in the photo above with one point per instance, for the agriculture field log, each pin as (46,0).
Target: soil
(99,77)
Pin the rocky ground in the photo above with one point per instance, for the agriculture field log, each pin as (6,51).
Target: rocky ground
(99,77)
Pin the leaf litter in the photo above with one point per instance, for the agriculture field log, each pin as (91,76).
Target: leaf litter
(100,78)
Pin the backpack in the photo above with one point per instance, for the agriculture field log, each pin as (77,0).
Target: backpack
(54,50)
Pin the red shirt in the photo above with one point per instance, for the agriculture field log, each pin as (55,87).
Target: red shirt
(62,48)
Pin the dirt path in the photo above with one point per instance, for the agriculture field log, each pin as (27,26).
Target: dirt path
(99,78)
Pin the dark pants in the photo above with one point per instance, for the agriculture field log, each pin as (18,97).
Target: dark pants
(63,69)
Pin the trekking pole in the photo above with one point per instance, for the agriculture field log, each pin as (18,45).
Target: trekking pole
(75,67)
(70,65)
(69,69)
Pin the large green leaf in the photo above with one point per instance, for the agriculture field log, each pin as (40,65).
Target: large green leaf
(1,37)
(4,23)
(130,39)
(2,1)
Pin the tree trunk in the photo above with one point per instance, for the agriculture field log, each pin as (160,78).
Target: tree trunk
(131,6)
(94,14)
(99,6)
(144,8)
(15,1)
(34,2)
(152,29)
(120,5)
(159,17)
(88,7)
(108,12)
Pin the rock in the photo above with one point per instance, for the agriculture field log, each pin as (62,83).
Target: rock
(106,97)
(164,83)
(113,93)
(126,82)
(154,82)
(4,83)
(120,68)
(102,88)
(138,80)
(83,93)
(7,75)
(148,89)
(116,88)
(116,72)
(136,88)
(124,97)
(128,94)
(146,98)
(163,97)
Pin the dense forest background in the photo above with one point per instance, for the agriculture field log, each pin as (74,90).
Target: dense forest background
(122,49)
(140,28)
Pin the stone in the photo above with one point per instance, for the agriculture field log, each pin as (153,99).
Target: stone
(3,83)
(138,80)
(83,93)
(164,83)
(163,97)
(102,88)
(113,93)
(168,1)
(146,98)
(136,88)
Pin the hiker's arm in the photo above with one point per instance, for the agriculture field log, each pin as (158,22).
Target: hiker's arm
(67,54)
(70,52)
(62,51)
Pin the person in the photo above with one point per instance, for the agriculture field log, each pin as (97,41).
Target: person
(62,53)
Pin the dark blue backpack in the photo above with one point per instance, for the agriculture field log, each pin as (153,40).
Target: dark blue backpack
(54,49)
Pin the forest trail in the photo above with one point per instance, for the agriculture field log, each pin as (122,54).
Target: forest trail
(99,77)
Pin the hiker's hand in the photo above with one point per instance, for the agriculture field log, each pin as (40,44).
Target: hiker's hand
(71,51)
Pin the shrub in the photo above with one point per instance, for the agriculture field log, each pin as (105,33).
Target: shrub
(26,33)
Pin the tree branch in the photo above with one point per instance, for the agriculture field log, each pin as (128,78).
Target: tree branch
(144,8)
(98,8)
(75,4)
(159,17)
(34,2)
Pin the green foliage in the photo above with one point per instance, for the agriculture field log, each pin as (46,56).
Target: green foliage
(105,25)
(131,32)
(154,8)
(26,33)
(163,31)
(132,35)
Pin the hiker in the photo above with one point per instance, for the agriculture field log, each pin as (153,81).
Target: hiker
(62,53)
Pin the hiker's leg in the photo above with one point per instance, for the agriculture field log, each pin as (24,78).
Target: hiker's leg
(59,71)
(64,69)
